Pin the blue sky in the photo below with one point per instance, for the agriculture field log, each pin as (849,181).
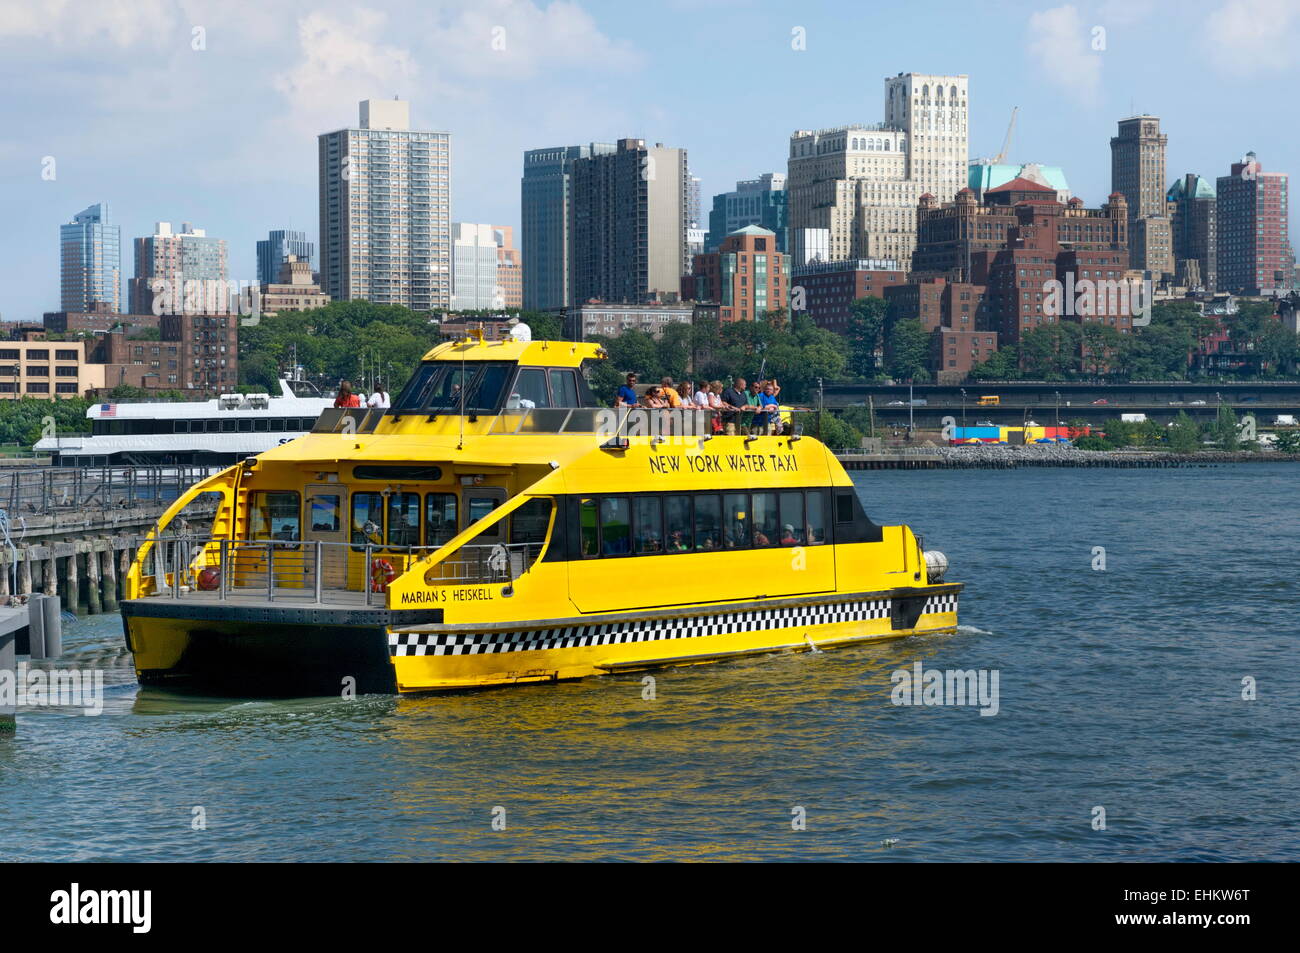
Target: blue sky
(224,136)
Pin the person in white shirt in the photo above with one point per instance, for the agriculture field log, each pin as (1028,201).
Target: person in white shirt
(379,398)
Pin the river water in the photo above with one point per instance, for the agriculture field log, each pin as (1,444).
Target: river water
(1120,691)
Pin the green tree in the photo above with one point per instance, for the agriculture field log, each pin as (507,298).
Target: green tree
(866,328)
(1225,431)
(1001,365)
(908,352)
(1184,435)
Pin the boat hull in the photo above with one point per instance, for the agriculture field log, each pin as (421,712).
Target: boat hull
(256,657)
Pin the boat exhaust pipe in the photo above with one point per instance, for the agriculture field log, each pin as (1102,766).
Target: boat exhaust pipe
(936,564)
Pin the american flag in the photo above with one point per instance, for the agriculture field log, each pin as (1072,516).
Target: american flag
(108,410)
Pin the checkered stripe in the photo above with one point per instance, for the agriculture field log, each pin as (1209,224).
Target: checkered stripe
(946,602)
(645,630)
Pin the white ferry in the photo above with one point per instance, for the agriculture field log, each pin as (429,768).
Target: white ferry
(218,432)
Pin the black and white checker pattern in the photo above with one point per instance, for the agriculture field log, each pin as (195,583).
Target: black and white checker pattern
(947,602)
(645,630)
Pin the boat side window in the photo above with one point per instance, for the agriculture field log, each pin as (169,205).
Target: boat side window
(735,527)
(816,517)
(404,519)
(615,526)
(212,426)
(792,522)
(564,388)
(277,424)
(767,525)
(439,518)
(246,425)
(479,507)
(367,520)
(228,426)
(590,538)
(530,387)
(260,424)
(708,517)
(181,426)
(273,514)
(325,513)
(844,506)
(648,520)
(528,524)
(677,524)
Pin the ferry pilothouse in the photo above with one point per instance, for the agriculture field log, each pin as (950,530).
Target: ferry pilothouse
(495,526)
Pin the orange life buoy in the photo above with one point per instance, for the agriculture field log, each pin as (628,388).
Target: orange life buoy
(381,574)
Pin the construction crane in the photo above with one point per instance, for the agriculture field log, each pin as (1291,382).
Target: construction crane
(1006,143)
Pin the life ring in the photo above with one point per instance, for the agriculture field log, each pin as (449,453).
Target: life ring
(381,574)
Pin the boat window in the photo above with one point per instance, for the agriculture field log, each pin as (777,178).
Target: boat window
(260,424)
(273,514)
(708,517)
(766,522)
(479,507)
(246,425)
(181,426)
(325,512)
(277,424)
(792,525)
(421,474)
(212,426)
(529,390)
(844,506)
(590,539)
(439,518)
(735,507)
(529,523)
(649,524)
(436,387)
(367,519)
(564,388)
(228,426)
(404,519)
(816,518)
(615,526)
(677,523)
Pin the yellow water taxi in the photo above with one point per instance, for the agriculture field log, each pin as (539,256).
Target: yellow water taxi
(495,526)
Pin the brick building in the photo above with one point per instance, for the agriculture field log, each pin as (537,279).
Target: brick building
(744,277)
(828,289)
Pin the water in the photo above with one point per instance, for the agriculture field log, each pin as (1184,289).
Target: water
(1118,689)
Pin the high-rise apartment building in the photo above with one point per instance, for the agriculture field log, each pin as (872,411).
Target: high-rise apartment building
(863,182)
(1137,171)
(627,224)
(1254,247)
(90,261)
(474,268)
(544,193)
(510,267)
(1193,218)
(694,201)
(760,201)
(194,265)
(745,277)
(385,210)
(274,250)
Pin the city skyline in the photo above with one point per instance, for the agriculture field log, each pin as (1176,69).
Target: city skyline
(525,76)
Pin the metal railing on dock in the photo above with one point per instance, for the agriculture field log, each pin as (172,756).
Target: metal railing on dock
(58,489)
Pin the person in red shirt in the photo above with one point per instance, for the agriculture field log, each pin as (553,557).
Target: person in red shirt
(345,397)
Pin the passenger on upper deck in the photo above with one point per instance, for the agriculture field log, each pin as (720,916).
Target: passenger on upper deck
(626,396)
(379,398)
(345,396)
(669,393)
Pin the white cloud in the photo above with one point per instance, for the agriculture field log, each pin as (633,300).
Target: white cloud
(1252,36)
(1061,45)
(121,23)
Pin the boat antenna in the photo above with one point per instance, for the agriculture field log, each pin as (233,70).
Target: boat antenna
(460,440)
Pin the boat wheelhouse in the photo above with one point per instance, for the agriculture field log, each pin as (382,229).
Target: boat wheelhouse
(494,526)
